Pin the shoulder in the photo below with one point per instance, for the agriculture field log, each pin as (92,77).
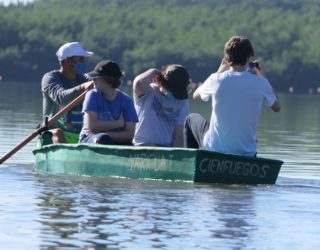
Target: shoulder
(148,95)
(92,93)
(92,97)
(259,79)
(51,79)
(124,96)
(154,89)
(51,75)
(214,77)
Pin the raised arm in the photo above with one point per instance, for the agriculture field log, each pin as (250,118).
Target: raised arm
(59,93)
(196,94)
(259,71)
(224,66)
(276,105)
(141,82)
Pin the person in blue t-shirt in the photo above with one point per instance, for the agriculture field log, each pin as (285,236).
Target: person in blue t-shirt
(109,115)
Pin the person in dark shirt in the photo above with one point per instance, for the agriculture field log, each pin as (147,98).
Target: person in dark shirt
(60,87)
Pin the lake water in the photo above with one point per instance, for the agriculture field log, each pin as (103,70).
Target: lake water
(47,212)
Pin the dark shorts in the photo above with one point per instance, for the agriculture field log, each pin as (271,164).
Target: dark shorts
(195,128)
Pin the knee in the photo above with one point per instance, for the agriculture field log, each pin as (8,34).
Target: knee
(191,117)
(58,136)
(105,139)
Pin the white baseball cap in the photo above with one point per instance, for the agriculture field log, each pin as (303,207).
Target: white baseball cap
(72,49)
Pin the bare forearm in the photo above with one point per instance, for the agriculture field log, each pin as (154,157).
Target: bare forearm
(224,66)
(121,136)
(196,94)
(63,96)
(125,135)
(142,81)
(276,107)
(98,126)
(146,77)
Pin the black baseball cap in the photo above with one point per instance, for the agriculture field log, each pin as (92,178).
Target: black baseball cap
(178,80)
(106,68)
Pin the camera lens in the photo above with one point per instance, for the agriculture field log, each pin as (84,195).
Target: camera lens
(252,64)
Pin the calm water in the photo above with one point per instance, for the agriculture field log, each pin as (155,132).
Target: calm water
(46,212)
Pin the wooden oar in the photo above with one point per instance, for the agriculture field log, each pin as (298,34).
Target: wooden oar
(63,111)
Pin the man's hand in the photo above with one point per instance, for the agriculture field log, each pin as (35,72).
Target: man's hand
(259,69)
(87,86)
(224,66)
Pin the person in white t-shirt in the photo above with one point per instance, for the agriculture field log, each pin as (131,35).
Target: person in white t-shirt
(237,90)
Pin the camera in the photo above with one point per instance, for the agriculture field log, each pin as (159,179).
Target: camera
(254,65)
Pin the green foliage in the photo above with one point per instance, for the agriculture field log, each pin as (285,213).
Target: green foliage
(140,34)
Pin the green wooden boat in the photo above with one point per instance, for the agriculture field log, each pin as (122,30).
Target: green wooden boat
(175,164)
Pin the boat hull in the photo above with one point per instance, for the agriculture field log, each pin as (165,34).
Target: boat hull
(176,164)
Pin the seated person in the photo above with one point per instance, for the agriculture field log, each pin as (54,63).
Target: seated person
(237,95)
(60,87)
(109,114)
(161,101)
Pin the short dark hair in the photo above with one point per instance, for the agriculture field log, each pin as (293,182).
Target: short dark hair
(237,50)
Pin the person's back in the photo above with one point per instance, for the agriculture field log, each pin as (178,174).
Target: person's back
(237,95)
(236,105)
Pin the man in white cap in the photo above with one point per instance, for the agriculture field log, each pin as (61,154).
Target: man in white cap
(60,87)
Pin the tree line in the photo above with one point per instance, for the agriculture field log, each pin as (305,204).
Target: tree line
(140,34)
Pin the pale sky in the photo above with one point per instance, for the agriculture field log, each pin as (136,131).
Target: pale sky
(6,2)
